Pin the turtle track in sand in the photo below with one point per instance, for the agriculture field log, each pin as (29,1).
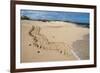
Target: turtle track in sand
(40,41)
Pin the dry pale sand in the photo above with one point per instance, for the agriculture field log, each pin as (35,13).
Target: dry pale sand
(53,41)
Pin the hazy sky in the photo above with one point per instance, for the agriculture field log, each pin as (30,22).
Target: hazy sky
(57,15)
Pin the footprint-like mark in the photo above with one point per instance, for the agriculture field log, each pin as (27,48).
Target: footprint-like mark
(40,41)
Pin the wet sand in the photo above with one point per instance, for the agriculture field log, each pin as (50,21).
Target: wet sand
(53,41)
(81,47)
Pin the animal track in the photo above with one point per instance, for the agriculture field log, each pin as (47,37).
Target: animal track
(40,41)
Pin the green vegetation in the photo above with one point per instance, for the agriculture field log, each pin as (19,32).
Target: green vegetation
(25,18)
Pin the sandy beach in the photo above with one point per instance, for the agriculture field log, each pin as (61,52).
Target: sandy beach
(53,41)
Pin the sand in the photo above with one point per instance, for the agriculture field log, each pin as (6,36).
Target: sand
(53,41)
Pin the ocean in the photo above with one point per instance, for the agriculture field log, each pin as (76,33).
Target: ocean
(81,18)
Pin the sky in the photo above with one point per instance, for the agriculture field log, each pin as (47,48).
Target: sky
(78,17)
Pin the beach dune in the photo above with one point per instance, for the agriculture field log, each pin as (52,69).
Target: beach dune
(53,41)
